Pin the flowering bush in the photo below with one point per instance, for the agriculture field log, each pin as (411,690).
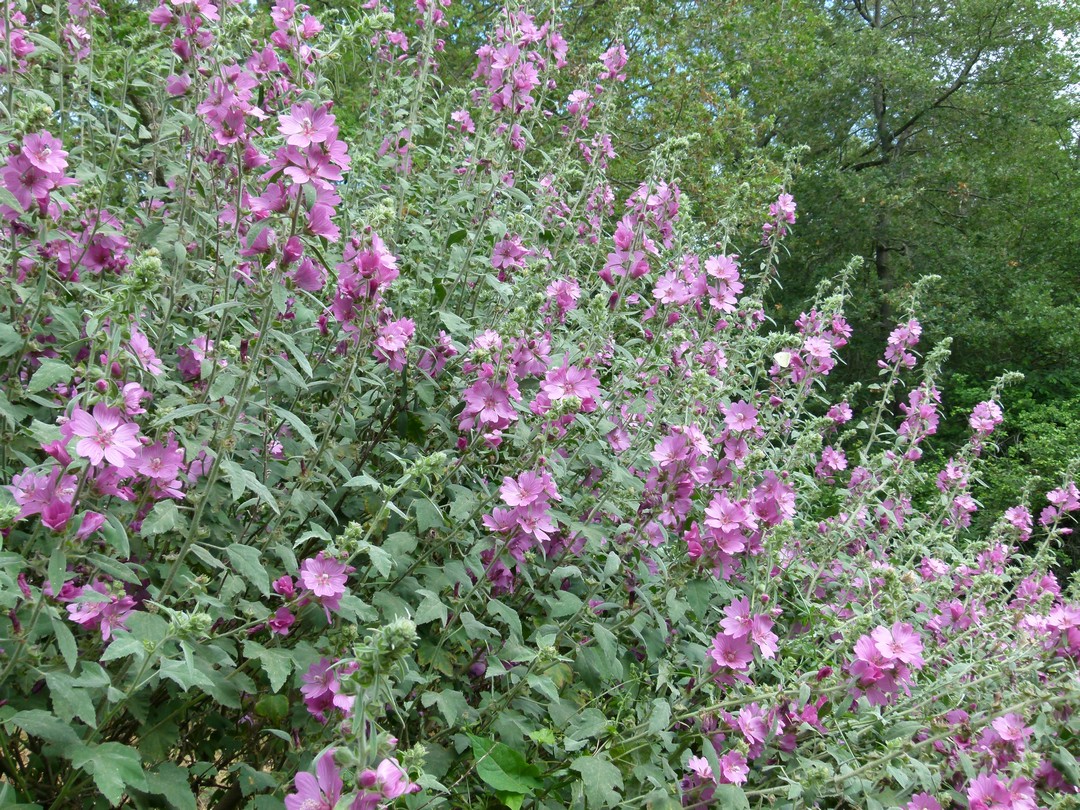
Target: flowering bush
(422,470)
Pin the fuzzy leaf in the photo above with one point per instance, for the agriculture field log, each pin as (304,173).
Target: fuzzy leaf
(247,562)
(602,781)
(503,768)
(49,374)
(114,766)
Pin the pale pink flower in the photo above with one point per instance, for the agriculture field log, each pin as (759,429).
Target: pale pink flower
(105,435)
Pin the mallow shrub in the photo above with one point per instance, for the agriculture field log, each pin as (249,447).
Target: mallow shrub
(431,469)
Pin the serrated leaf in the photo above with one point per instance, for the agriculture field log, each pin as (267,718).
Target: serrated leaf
(905,729)
(298,425)
(65,640)
(428,515)
(49,374)
(114,767)
(451,703)
(278,664)
(247,562)
(68,700)
(503,768)
(601,780)
(454,323)
(172,781)
(731,796)
(164,517)
(509,616)
(430,609)
(43,724)
(381,560)
(241,478)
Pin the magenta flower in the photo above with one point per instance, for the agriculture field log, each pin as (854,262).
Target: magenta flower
(105,435)
(322,688)
(281,623)
(319,792)
(733,653)
(391,342)
(107,612)
(45,153)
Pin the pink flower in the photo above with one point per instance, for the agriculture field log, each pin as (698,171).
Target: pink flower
(733,768)
(528,488)
(177,85)
(106,612)
(923,801)
(392,781)
(141,350)
(283,620)
(570,381)
(105,435)
(391,342)
(737,621)
(160,461)
(901,643)
(324,578)
(319,792)
(700,767)
(1012,728)
(733,653)
(987,792)
(740,416)
(45,152)
(322,689)
(985,417)
(304,125)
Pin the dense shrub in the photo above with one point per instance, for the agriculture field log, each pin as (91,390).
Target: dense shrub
(432,469)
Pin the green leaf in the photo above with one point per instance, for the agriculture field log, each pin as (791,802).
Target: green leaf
(454,323)
(172,782)
(241,479)
(43,724)
(1068,765)
(451,704)
(511,800)
(731,796)
(57,570)
(430,609)
(509,616)
(65,640)
(114,766)
(68,700)
(162,518)
(278,664)
(297,424)
(246,561)
(905,729)
(602,781)
(428,515)
(49,374)
(503,768)
(380,559)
